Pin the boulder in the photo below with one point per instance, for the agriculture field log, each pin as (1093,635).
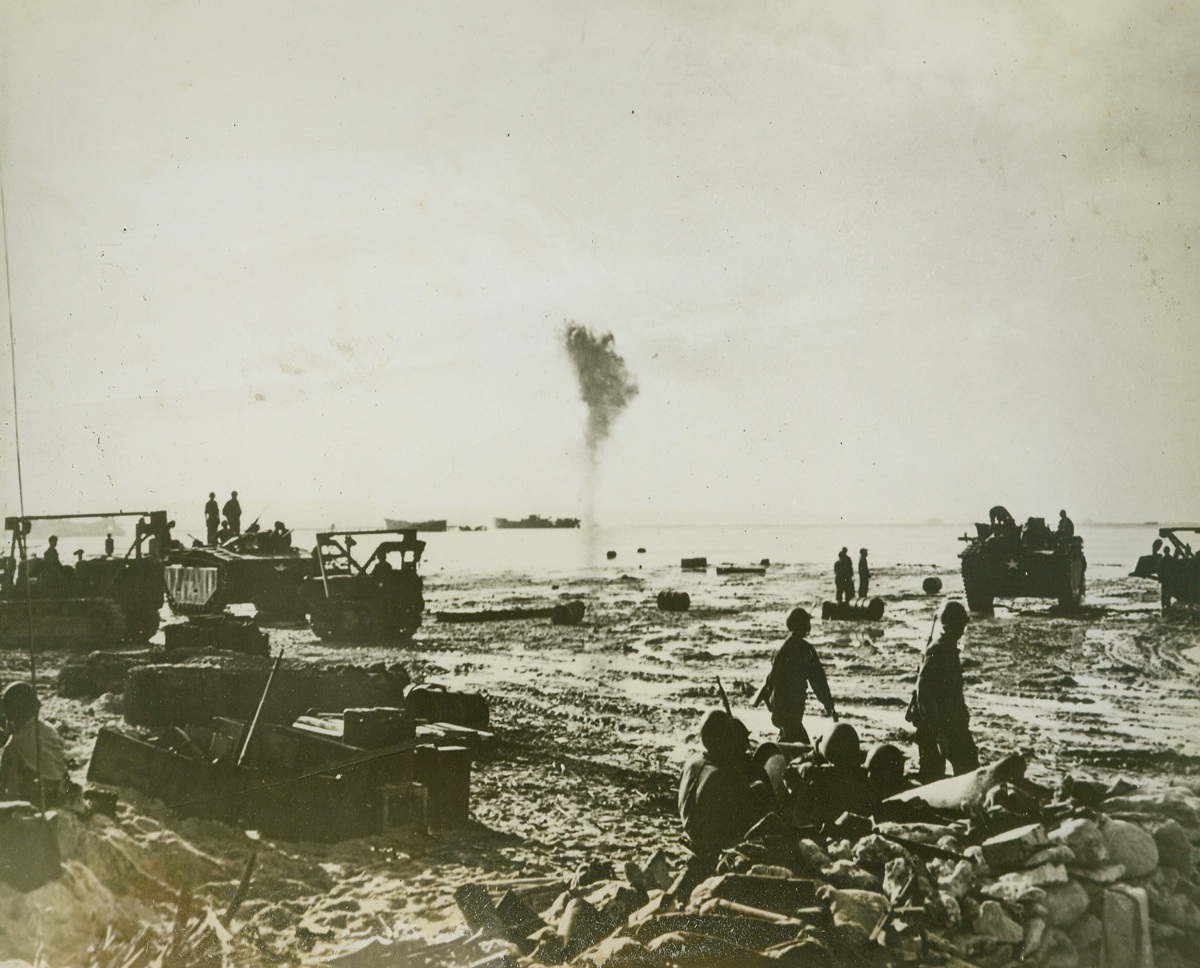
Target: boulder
(1065,904)
(1129,844)
(1084,839)
(846,874)
(995,924)
(1058,950)
(855,914)
(1035,931)
(1174,848)
(961,880)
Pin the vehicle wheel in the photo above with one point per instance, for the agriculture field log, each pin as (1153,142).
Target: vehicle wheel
(1071,596)
(322,625)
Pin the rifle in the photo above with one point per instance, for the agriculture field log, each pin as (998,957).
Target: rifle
(724,698)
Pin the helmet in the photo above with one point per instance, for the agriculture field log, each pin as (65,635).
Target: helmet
(955,612)
(798,618)
(885,758)
(841,747)
(721,733)
(19,701)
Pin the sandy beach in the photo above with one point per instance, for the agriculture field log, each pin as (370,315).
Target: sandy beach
(593,722)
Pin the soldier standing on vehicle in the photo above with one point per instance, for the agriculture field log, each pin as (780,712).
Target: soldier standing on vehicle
(785,690)
(938,709)
(212,518)
(843,576)
(1065,531)
(109,546)
(864,573)
(233,513)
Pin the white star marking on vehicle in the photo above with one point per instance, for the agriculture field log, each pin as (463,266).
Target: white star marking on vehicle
(1012,564)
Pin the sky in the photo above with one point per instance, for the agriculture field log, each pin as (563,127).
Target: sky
(865,264)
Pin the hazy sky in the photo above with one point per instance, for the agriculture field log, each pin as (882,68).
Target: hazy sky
(864,261)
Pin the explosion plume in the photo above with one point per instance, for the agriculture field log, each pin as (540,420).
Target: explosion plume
(605,386)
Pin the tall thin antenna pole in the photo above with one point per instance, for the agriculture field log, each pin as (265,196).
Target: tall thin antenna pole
(12,358)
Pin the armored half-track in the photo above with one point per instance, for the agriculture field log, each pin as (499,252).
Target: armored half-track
(256,568)
(1004,560)
(97,602)
(372,601)
(1177,573)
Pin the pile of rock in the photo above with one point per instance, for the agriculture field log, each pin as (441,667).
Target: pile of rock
(1090,879)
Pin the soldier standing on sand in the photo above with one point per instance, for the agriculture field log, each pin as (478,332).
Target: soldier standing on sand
(864,573)
(233,513)
(938,710)
(212,518)
(843,576)
(785,690)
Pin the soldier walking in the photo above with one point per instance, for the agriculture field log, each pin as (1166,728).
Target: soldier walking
(938,709)
(796,665)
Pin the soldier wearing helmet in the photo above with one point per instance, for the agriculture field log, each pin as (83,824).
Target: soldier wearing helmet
(796,665)
(717,803)
(938,710)
(835,782)
(32,760)
(885,768)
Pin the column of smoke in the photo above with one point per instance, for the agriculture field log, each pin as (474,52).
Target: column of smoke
(606,387)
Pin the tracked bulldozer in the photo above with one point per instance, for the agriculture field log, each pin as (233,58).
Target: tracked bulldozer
(99,601)
(374,600)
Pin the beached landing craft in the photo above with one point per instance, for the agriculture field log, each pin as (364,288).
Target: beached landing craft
(537,521)
(393,524)
(371,601)
(1029,561)
(99,601)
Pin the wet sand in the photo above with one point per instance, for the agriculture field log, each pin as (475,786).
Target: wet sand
(594,721)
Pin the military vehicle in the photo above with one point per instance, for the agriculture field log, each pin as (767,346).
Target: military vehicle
(536,521)
(368,601)
(1005,560)
(1178,573)
(260,568)
(100,600)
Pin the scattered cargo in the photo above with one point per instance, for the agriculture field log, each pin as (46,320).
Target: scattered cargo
(741,570)
(564,613)
(859,610)
(230,633)
(694,564)
(931,585)
(670,601)
(294,781)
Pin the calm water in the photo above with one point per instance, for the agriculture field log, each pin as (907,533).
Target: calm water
(1111,550)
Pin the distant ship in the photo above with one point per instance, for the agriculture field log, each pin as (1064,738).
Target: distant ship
(85,528)
(537,521)
(396,525)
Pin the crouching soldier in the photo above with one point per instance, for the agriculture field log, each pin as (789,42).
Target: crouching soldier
(835,782)
(32,760)
(721,794)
